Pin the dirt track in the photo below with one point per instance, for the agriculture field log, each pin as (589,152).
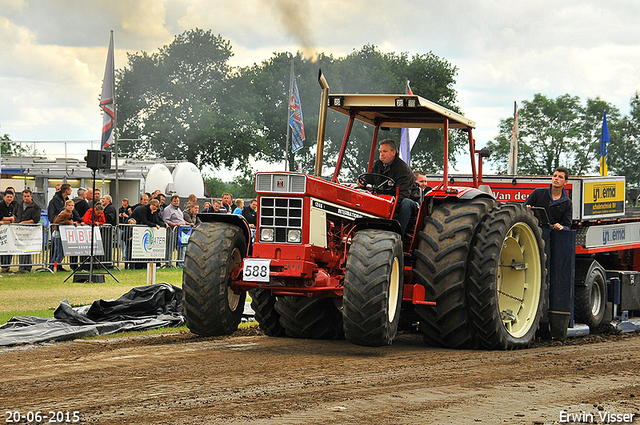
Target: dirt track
(250,378)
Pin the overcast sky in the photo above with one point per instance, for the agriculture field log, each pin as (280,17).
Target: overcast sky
(53,52)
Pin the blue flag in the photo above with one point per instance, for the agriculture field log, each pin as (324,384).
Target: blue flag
(295,119)
(604,141)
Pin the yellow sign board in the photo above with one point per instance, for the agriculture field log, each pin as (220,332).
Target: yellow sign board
(603,197)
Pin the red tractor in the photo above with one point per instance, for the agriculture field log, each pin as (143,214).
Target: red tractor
(329,260)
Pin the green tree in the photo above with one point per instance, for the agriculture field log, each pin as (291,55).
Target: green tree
(177,104)
(563,132)
(9,148)
(624,148)
(550,136)
(363,71)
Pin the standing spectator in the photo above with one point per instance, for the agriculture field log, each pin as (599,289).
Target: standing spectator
(191,216)
(251,214)
(97,218)
(80,201)
(148,215)
(81,207)
(67,217)
(95,198)
(6,214)
(56,205)
(172,215)
(227,202)
(239,207)
(125,231)
(110,213)
(88,196)
(27,212)
(14,202)
(144,200)
(58,187)
(192,199)
(161,198)
(124,212)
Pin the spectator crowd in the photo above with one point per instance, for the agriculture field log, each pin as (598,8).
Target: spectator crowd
(89,207)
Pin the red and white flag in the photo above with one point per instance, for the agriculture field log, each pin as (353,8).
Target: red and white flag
(107,99)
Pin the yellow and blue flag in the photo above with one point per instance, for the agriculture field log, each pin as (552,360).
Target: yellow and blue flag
(604,141)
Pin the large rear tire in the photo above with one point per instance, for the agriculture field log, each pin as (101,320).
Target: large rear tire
(303,317)
(263,304)
(507,279)
(591,296)
(441,267)
(373,284)
(210,306)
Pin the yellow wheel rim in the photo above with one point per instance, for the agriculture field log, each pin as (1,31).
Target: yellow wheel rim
(394,288)
(519,280)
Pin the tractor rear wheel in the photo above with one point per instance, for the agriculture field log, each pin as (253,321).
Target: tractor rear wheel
(210,306)
(263,304)
(507,279)
(373,283)
(591,297)
(314,318)
(441,267)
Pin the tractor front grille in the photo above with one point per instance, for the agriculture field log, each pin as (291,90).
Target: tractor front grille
(283,215)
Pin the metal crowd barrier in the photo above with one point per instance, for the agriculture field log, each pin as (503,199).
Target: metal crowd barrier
(117,247)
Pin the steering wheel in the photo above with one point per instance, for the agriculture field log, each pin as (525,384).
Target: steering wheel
(387,185)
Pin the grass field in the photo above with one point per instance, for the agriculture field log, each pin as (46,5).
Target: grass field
(38,294)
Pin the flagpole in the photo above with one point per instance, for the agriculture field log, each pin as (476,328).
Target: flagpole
(512,166)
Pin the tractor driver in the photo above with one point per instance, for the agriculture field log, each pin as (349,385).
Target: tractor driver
(554,199)
(395,168)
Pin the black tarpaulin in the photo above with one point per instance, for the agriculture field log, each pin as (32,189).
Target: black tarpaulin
(144,307)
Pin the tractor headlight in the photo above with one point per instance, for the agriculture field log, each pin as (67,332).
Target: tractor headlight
(294,236)
(266,234)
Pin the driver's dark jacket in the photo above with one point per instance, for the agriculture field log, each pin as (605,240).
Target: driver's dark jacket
(400,172)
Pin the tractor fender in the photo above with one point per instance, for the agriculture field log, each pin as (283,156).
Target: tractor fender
(377,223)
(236,219)
(473,193)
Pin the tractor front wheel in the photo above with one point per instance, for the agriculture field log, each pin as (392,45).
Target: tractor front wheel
(211,307)
(373,285)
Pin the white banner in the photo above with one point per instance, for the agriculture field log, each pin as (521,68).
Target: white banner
(20,239)
(77,240)
(149,243)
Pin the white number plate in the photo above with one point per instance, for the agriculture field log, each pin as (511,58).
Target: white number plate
(256,270)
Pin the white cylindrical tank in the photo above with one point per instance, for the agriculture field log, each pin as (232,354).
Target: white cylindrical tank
(159,177)
(187,180)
